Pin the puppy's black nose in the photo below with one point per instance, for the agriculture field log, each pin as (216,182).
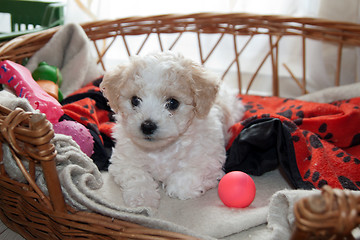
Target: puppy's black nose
(148,127)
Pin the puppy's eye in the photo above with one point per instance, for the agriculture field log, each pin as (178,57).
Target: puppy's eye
(135,101)
(172,104)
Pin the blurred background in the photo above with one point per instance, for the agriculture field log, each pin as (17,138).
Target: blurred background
(88,10)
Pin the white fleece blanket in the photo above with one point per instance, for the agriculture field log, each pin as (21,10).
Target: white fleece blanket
(270,216)
(69,50)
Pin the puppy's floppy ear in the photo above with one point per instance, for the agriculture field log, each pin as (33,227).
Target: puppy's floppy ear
(111,85)
(205,87)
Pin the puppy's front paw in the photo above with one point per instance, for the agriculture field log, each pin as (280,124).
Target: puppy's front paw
(138,187)
(185,185)
(141,197)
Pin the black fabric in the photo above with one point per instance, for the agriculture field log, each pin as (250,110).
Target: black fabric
(260,147)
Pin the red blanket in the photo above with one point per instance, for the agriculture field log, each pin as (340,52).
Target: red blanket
(314,143)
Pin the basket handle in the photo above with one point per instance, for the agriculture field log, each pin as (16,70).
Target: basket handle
(331,215)
(29,135)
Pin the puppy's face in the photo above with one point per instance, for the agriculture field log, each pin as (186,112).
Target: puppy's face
(157,96)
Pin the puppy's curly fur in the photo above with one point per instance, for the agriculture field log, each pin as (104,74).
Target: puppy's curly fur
(172,125)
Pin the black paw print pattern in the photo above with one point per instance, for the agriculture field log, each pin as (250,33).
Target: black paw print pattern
(253,107)
(292,111)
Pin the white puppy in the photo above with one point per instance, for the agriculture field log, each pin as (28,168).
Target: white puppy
(172,127)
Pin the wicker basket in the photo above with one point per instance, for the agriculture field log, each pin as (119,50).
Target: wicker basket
(28,211)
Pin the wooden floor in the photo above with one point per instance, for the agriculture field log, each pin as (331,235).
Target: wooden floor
(7,234)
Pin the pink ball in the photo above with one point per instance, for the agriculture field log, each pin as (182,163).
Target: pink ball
(80,134)
(236,189)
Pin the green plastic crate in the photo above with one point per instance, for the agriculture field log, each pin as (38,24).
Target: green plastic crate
(35,15)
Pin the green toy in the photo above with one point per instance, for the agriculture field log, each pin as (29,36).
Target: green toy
(45,71)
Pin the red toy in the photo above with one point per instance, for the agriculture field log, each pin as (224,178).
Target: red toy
(237,189)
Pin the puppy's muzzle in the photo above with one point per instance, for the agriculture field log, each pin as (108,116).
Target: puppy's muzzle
(148,127)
